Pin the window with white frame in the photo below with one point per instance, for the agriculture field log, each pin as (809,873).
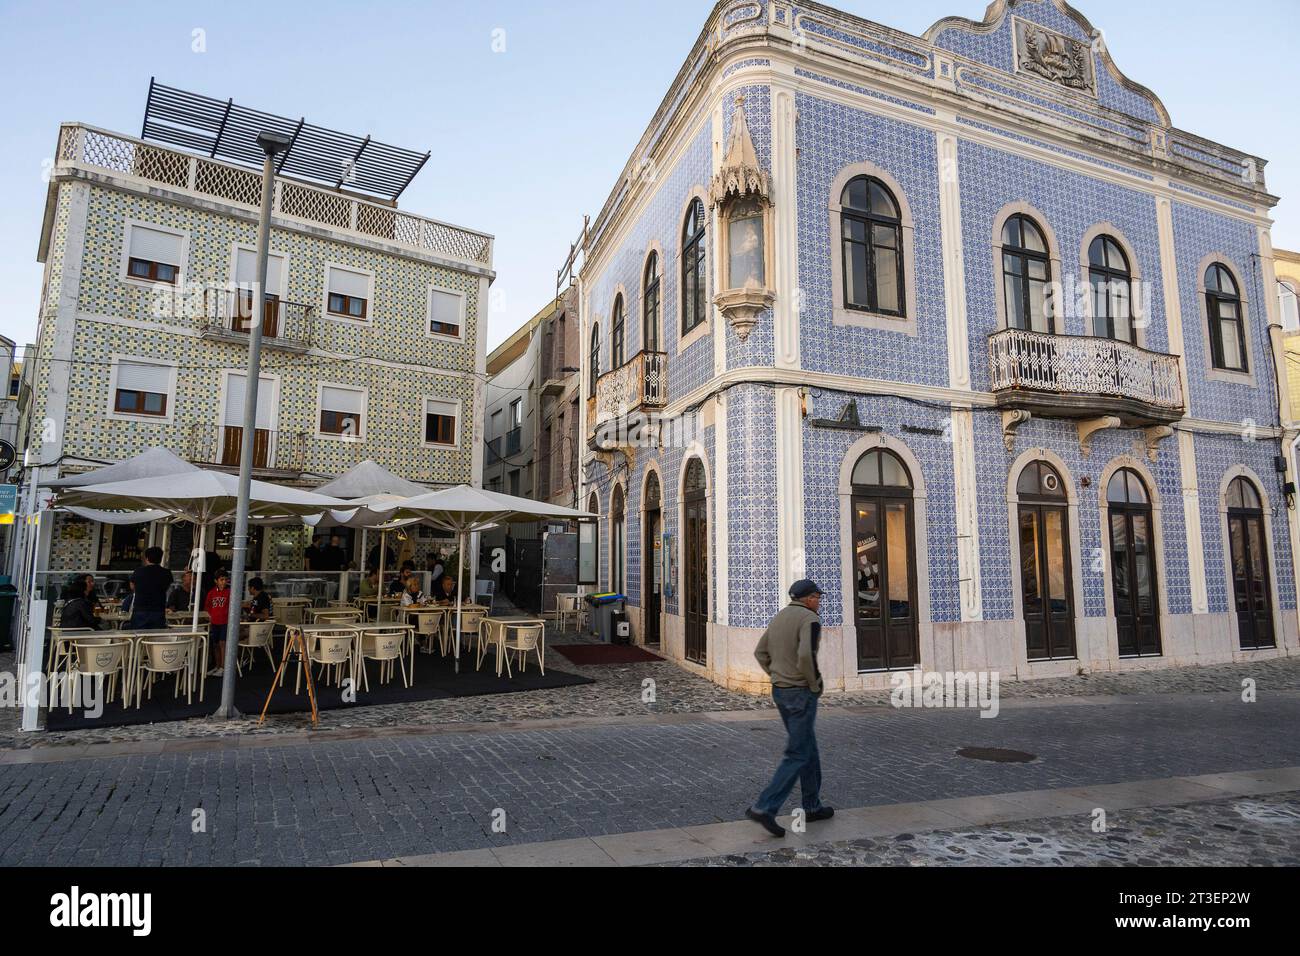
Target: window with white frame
(446,312)
(153,255)
(1289,305)
(348,293)
(142,388)
(342,411)
(440,421)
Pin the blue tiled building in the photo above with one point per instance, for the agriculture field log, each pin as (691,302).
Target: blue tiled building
(959,326)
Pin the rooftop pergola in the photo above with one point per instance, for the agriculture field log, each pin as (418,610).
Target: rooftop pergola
(222,129)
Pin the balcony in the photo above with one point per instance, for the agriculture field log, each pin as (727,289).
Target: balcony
(228,316)
(514,440)
(638,385)
(1101,383)
(98,151)
(275,454)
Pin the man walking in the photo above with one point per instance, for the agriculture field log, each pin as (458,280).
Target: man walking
(152,582)
(787,652)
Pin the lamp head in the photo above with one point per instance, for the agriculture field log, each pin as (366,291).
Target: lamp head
(273,143)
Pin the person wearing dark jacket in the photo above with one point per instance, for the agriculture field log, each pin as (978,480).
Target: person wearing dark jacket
(78,612)
(152,582)
(787,652)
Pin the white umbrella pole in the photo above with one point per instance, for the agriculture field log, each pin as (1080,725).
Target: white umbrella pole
(197,578)
(460,580)
(379,591)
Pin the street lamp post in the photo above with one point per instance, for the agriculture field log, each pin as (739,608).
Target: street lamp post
(272,145)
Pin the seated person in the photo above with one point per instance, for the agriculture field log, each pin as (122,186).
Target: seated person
(258,607)
(78,612)
(447,594)
(178,598)
(128,599)
(398,584)
(370,584)
(412,594)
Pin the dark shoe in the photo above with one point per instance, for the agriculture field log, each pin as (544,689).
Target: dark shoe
(822,813)
(766,821)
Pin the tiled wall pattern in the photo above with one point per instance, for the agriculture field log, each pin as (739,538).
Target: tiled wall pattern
(831,137)
(1199,233)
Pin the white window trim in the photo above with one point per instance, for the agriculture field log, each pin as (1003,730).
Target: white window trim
(237,247)
(360,436)
(460,420)
(370,295)
(428,312)
(114,415)
(124,272)
(262,378)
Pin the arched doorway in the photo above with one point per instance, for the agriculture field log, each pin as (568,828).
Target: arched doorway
(884,563)
(1133,565)
(617,543)
(695,585)
(1045,574)
(652,561)
(1248,553)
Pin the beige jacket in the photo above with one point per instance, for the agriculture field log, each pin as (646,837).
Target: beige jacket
(787,651)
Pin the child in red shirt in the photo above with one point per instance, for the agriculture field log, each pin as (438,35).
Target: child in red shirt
(217,604)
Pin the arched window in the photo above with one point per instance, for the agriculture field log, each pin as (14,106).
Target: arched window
(1111,278)
(595,359)
(1227,324)
(1046,583)
(884,564)
(872,247)
(1027,276)
(617,329)
(650,305)
(694,257)
(618,543)
(1288,301)
(1248,557)
(1133,565)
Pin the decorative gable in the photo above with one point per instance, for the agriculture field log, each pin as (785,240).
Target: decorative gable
(1053,56)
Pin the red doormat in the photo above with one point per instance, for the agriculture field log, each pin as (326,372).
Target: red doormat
(590,655)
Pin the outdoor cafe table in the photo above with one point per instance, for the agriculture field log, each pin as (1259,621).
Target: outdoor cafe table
(497,627)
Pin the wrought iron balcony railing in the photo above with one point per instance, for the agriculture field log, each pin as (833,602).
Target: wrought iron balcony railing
(228,315)
(81,145)
(1075,375)
(637,385)
(222,445)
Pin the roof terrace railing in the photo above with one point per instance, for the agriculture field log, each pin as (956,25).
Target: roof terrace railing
(92,148)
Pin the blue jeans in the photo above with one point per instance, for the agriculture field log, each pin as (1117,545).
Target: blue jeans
(802,762)
(143,620)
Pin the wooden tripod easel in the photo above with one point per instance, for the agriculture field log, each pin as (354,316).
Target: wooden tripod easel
(294,642)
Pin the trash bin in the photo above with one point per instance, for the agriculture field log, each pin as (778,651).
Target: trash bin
(604,609)
(8,600)
(622,628)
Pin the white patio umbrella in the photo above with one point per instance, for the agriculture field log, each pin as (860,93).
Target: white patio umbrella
(463,510)
(202,497)
(148,464)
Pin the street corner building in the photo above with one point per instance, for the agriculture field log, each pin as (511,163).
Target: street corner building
(373,335)
(959,326)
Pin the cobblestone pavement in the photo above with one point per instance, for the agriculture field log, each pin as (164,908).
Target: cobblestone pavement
(1255,831)
(337,801)
(618,693)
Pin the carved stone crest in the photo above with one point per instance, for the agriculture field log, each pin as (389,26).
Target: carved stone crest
(1054,57)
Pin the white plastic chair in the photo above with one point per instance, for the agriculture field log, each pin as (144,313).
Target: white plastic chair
(385,646)
(523,639)
(252,636)
(333,650)
(100,657)
(163,656)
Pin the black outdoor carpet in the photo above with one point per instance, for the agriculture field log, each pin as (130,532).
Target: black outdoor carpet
(435,679)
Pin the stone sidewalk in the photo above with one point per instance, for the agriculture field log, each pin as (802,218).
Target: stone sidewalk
(618,693)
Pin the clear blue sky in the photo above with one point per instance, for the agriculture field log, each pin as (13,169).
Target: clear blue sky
(528,140)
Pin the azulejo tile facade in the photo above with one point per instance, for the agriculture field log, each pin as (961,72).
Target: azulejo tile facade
(337,389)
(989,455)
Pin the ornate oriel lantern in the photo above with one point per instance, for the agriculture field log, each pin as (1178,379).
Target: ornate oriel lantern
(740,194)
